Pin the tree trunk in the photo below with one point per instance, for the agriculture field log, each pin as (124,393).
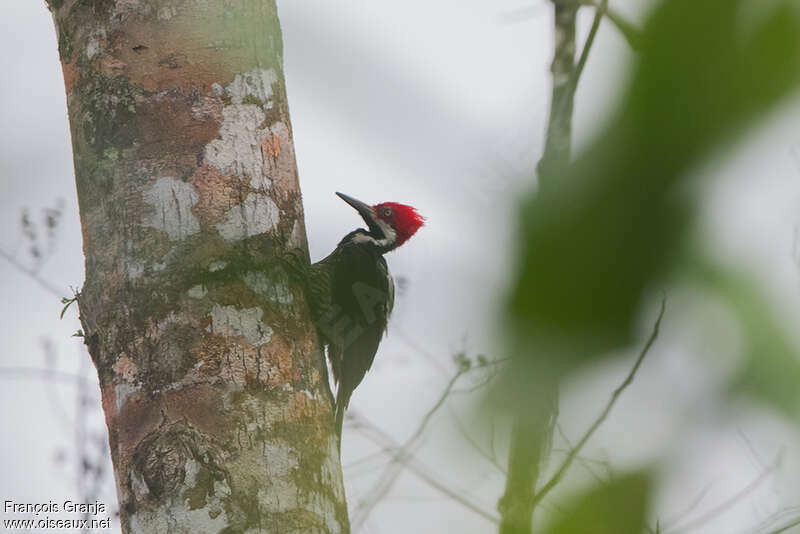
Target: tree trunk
(558,139)
(213,385)
(531,435)
(533,419)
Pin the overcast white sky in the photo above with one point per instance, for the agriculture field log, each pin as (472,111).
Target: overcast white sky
(441,105)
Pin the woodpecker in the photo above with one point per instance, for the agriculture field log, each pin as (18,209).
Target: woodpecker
(351,293)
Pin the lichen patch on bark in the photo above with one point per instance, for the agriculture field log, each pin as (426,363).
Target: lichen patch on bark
(238,149)
(258,214)
(172,201)
(121,393)
(274,286)
(231,321)
(254,85)
(197,292)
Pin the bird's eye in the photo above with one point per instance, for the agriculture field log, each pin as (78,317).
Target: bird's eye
(387,212)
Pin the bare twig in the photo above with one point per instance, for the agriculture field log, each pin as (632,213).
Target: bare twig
(383,440)
(601,10)
(629,31)
(57,404)
(480,385)
(793,522)
(583,461)
(435,408)
(465,434)
(691,508)
(729,503)
(750,448)
(395,467)
(515,16)
(767,526)
(785,527)
(391,472)
(492,451)
(35,276)
(366,459)
(39,374)
(565,465)
(429,357)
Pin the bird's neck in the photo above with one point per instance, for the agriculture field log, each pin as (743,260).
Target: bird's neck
(381,242)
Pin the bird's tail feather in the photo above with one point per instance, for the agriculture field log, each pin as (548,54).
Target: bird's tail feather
(342,400)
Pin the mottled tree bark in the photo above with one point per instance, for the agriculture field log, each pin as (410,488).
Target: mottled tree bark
(213,385)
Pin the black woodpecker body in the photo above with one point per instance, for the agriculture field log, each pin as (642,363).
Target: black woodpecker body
(352,293)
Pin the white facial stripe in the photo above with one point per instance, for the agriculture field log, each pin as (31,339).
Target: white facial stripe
(364,238)
(389,239)
(388,232)
(380,243)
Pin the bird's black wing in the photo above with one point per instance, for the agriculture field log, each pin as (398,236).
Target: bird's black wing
(352,296)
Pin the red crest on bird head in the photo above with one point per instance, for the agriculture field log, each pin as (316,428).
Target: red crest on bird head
(405,219)
(393,223)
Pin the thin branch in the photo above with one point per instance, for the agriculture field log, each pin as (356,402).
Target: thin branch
(472,389)
(386,442)
(522,14)
(583,461)
(556,478)
(393,470)
(53,394)
(601,10)
(465,434)
(47,286)
(629,31)
(768,525)
(775,518)
(691,508)
(442,398)
(43,374)
(365,459)
(485,381)
(430,358)
(492,432)
(750,448)
(725,506)
(424,474)
(605,464)
(785,527)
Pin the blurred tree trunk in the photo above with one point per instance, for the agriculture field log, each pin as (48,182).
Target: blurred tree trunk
(213,385)
(558,140)
(535,412)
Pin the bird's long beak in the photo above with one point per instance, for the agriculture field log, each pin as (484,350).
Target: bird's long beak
(365,210)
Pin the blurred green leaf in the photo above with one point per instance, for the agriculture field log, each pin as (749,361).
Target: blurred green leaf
(771,371)
(619,507)
(612,224)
